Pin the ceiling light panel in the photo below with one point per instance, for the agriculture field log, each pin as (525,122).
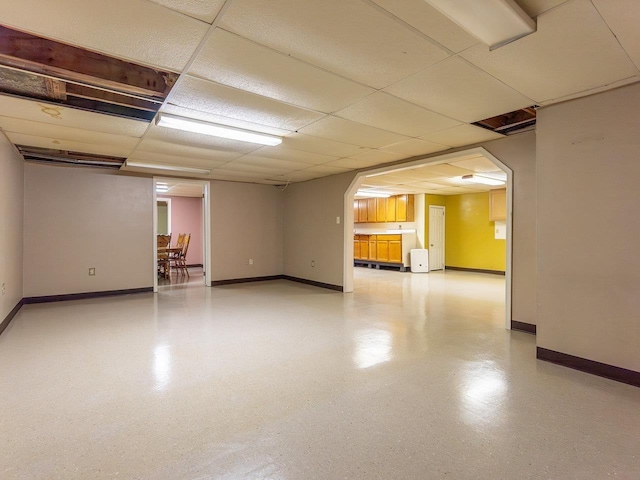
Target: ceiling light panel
(127,29)
(203,95)
(69,117)
(114,149)
(390,113)
(462,135)
(350,38)
(422,16)
(622,17)
(459,90)
(572,51)
(346,131)
(235,61)
(205,10)
(200,141)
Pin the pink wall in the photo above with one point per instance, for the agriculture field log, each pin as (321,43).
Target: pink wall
(186,217)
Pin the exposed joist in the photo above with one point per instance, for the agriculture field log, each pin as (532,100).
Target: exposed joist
(56,89)
(81,91)
(29,52)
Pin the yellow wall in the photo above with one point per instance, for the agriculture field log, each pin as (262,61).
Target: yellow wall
(469,235)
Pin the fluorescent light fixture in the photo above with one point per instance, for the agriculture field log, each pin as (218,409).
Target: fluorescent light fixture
(365,193)
(172,168)
(162,184)
(215,130)
(482,180)
(162,189)
(494,22)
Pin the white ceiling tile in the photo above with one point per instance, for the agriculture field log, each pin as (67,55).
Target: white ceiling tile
(284,153)
(572,51)
(299,176)
(70,117)
(395,115)
(414,147)
(206,96)
(623,17)
(235,61)
(188,151)
(309,143)
(161,171)
(263,170)
(135,30)
(169,135)
(215,160)
(237,175)
(462,135)
(348,37)
(537,7)
(427,185)
(114,148)
(353,163)
(459,90)
(259,161)
(378,156)
(346,131)
(213,118)
(422,16)
(326,169)
(454,191)
(61,132)
(478,164)
(205,10)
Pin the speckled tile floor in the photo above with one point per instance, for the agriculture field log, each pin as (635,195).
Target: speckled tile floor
(411,377)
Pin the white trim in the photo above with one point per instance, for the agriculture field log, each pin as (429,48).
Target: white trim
(206,231)
(347,273)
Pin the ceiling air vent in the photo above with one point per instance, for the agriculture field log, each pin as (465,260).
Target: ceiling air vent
(64,157)
(512,122)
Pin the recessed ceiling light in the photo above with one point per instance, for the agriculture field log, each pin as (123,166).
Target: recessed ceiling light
(372,194)
(481,180)
(215,130)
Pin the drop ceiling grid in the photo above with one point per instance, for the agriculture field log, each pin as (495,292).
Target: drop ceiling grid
(347,37)
(203,10)
(624,23)
(127,29)
(572,51)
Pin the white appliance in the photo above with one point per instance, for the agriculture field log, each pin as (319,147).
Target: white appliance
(419,260)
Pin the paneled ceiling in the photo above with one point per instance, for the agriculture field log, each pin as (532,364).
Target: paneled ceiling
(349,84)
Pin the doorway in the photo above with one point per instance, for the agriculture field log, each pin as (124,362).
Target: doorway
(436,237)
(188,224)
(443,162)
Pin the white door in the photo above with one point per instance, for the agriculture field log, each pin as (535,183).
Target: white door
(436,237)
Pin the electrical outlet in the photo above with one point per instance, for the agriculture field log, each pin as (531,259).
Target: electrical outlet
(251,261)
(92,271)
(4,288)
(313,263)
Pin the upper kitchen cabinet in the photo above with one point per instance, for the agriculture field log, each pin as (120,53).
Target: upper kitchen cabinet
(398,208)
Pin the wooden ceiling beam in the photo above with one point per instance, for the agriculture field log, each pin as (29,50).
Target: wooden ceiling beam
(29,52)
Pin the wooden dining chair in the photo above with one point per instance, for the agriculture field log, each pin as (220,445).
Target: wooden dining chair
(180,262)
(164,264)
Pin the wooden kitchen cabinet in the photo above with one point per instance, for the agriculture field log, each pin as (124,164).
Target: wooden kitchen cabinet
(373,247)
(381,209)
(405,208)
(498,204)
(364,247)
(371,209)
(398,208)
(391,209)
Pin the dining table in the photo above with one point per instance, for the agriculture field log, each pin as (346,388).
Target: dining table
(167,253)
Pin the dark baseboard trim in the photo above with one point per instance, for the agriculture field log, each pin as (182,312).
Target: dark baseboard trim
(83,296)
(198,265)
(590,366)
(7,320)
(233,281)
(337,288)
(475,270)
(523,327)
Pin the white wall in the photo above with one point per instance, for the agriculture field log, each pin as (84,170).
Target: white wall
(77,218)
(588,228)
(518,152)
(11,221)
(246,223)
(310,229)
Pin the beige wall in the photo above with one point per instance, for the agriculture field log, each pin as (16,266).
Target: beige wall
(310,229)
(588,229)
(77,218)
(11,229)
(246,223)
(518,152)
